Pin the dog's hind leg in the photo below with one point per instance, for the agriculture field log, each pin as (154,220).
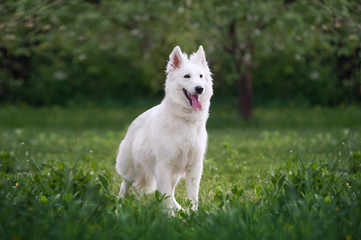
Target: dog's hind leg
(145,183)
(125,167)
(150,184)
(124,187)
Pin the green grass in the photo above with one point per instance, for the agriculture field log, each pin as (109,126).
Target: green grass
(287,174)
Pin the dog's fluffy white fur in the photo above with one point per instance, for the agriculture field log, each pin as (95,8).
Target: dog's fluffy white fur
(169,140)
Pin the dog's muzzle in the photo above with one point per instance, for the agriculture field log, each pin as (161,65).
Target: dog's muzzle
(194,99)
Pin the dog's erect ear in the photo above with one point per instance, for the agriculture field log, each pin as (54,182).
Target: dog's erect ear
(200,57)
(175,59)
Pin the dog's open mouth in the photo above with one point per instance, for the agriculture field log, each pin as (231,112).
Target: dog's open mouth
(194,100)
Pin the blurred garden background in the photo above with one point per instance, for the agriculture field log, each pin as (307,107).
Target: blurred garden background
(75,73)
(262,53)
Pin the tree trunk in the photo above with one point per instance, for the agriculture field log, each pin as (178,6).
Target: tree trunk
(243,59)
(357,84)
(4,83)
(245,98)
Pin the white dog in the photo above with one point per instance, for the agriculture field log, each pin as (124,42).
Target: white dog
(169,140)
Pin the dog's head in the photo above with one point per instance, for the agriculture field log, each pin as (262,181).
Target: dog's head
(189,81)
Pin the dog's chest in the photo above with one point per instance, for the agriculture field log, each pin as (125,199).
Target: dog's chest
(184,150)
(185,134)
(181,142)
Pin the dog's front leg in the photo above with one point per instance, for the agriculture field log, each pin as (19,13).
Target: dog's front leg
(193,179)
(166,183)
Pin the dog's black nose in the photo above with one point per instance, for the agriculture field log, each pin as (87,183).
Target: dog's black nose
(199,89)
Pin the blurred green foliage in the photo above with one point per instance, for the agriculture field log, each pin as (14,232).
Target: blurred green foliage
(59,51)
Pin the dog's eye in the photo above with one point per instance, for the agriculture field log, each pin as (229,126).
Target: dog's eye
(187,76)
(201,76)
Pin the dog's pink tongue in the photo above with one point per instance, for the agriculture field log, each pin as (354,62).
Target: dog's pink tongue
(197,105)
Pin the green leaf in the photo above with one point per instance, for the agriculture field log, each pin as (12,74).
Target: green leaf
(258,190)
(159,197)
(43,199)
(60,165)
(281,181)
(104,181)
(94,165)
(327,199)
